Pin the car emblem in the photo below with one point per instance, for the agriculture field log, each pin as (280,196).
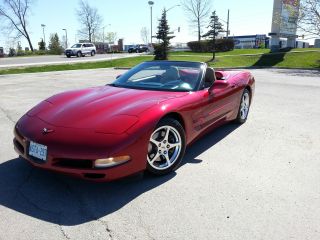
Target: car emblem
(46,131)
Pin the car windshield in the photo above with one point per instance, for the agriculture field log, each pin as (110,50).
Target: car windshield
(76,46)
(163,76)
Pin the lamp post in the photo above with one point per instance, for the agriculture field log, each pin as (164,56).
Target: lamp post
(151,4)
(103,36)
(66,37)
(44,36)
(178,5)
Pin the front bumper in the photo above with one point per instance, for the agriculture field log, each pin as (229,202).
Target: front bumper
(73,151)
(70,53)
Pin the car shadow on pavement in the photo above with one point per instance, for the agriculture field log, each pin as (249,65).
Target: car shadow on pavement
(67,201)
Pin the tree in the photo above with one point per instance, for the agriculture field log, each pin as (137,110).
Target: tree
(197,12)
(54,45)
(89,19)
(162,49)
(42,45)
(111,37)
(15,14)
(309,18)
(144,35)
(215,27)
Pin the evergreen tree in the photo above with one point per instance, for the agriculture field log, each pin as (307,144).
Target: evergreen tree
(215,27)
(42,45)
(161,49)
(54,45)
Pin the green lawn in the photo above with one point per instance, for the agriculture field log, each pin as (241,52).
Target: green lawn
(123,62)
(238,52)
(302,59)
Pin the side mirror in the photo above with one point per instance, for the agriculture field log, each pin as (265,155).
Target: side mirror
(118,76)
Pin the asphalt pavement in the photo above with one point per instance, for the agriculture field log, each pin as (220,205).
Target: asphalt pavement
(259,180)
(10,62)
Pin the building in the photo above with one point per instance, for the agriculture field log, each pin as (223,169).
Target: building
(251,41)
(284,23)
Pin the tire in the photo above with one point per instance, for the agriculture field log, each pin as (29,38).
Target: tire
(93,53)
(79,54)
(244,107)
(68,56)
(166,147)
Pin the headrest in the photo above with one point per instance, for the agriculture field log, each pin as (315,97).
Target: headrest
(209,78)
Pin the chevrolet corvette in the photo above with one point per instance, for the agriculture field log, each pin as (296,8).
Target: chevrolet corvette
(144,120)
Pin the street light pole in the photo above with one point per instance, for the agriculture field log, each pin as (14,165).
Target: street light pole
(103,37)
(228,22)
(66,37)
(178,5)
(151,4)
(44,36)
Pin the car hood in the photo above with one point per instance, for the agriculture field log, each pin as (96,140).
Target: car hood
(92,107)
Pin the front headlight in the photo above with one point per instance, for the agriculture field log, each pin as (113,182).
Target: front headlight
(117,124)
(39,108)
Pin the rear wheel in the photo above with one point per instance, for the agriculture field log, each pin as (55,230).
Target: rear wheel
(244,107)
(93,53)
(166,147)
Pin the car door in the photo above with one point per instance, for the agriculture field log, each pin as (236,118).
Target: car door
(216,104)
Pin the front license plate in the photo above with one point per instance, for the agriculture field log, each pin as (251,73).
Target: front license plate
(38,151)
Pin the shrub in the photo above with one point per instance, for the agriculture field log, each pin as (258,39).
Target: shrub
(12,52)
(160,52)
(222,45)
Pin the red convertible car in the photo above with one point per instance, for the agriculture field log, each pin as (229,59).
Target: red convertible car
(142,121)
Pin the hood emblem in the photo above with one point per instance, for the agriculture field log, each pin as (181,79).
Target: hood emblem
(46,131)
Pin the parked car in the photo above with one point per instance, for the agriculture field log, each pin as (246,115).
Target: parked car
(144,120)
(81,49)
(138,49)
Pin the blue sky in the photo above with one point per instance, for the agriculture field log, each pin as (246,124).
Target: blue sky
(127,17)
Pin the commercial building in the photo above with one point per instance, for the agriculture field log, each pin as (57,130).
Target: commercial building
(251,41)
(263,41)
(284,23)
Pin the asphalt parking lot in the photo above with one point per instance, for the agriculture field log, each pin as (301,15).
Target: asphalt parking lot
(255,181)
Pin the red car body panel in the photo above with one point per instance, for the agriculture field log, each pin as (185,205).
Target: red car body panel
(107,121)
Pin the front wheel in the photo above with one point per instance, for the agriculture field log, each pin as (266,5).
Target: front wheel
(244,107)
(79,54)
(166,147)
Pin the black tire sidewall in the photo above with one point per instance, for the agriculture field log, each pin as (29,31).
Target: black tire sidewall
(175,124)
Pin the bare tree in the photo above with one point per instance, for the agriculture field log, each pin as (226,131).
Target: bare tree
(197,12)
(89,19)
(15,14)
(309,18)
(144,35)
(111,37)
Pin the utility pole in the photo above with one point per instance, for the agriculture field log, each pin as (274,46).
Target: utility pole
(44,36)
(228,22)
